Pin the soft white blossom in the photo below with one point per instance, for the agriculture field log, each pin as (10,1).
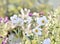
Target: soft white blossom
(16,20)
(37,31)
(47,41)
(42,20)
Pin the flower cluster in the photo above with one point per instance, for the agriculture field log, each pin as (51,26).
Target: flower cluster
(30,28)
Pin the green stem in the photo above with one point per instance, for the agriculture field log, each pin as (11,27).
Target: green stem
(31,41)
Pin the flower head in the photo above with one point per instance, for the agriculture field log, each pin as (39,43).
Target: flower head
(37,31)
(47,41)
(41,13)
(5,41)
(6,19)
(30,14)
(16,20)
(1,19)
(42,20)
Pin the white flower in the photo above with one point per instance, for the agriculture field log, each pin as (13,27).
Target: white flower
(47,41)
(16,20)
(37,31)
(42,20)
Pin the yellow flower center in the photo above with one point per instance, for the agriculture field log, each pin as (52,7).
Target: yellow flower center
(43,21)
(36,30)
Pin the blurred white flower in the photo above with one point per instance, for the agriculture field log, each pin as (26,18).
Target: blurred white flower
(37,31)
(16,20)
(47,41)
(42,20)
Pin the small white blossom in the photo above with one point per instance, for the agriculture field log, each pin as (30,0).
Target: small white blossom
(47,41)
(37,31)
(42,20)
(16,20)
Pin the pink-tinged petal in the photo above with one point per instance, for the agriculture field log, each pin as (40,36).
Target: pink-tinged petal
(6,19)
(30,14)
(0,19)
(41,13)
(5,41)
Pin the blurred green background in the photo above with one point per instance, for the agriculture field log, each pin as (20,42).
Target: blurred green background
(9,7)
